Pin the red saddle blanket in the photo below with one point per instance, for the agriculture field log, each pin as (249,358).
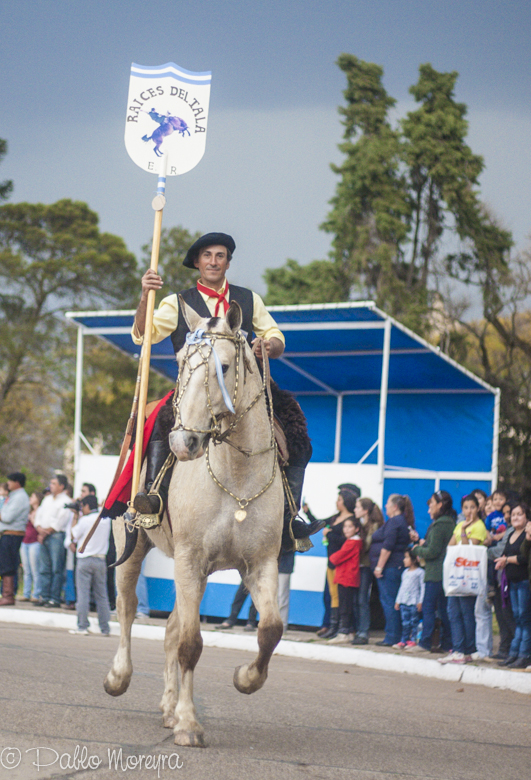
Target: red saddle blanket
(122,490)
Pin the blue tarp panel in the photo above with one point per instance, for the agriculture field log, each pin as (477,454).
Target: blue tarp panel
(325,346)
(320,413)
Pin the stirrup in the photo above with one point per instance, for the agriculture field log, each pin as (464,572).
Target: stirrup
(302,545)
(145,518)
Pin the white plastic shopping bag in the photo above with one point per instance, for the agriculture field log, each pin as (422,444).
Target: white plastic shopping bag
(465,570)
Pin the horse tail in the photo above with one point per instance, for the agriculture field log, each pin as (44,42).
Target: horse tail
(129,548)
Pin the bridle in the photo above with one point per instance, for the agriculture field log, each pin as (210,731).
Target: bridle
(201,343)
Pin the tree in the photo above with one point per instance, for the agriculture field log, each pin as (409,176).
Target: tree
(6,187)
(404,195)
(371,208)
(370,213)
(109,380)
(52,257)
(316,282)
(174,244)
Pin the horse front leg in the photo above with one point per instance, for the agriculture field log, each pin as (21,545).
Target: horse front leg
(262,582)
(121,671)
(190,587)
(168,703)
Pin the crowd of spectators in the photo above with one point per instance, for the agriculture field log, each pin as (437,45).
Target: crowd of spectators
(45,532)
(408,571)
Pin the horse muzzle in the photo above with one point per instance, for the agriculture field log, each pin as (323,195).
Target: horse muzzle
(187,445)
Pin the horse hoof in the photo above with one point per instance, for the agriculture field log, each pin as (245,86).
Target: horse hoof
(115,687)
(189,739)
(169,721)
(248,680)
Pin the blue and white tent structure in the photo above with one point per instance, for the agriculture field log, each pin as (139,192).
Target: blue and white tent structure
(386,410)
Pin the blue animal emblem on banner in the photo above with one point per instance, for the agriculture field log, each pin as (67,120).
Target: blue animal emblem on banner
(167,125)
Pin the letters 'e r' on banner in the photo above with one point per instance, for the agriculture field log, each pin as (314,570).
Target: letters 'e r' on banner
(167,115)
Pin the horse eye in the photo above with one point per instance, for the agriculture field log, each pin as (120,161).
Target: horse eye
(225,368)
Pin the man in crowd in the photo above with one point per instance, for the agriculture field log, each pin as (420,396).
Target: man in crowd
(91,566)
(51,521)
(13,519)
(87,489)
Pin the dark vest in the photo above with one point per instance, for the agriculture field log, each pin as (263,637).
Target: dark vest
(193,298)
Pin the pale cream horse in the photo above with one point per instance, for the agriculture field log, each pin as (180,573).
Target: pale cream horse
(212,526)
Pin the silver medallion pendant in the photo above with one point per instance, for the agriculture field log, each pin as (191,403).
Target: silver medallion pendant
(240,515)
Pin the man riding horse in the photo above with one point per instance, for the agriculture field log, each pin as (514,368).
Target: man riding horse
(211,255)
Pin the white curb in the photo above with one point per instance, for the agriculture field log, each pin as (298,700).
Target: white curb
(348,656)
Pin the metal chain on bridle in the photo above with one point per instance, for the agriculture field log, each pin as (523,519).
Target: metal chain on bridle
(201,343)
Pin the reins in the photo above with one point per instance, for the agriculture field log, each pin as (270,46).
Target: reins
(201,343)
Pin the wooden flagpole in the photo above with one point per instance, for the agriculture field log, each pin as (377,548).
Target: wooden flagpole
(158,204)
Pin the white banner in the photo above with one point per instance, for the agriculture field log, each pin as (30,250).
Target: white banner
(167,114)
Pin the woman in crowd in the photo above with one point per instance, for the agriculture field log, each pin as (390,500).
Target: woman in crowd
(502,601)
(371,518)
(482,499)
(513,564)
(507,508)
(432,550)
(333,539)
(29,553)
(461,608)
(389,543)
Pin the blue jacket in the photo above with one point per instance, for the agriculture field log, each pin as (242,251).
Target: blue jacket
(393,535)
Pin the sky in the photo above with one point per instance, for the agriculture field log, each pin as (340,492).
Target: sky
(273,126)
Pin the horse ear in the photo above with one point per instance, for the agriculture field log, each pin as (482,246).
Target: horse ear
(192,318)
(234,316)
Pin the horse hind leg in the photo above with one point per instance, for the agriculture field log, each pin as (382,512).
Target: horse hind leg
(168,703)
(263,586)
(121,671)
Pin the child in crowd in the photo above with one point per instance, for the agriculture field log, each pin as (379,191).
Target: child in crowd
(347,577)
(495,520)
(461,609)
(409,600)
(496,525)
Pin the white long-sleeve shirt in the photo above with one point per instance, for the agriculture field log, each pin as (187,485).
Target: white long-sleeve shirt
(99,543)
(52,512)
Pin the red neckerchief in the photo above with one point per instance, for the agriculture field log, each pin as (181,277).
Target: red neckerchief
(221,300)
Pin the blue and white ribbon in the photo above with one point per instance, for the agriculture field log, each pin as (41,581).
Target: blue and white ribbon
(198,338)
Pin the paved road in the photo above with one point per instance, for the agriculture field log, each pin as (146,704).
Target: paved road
(311,720)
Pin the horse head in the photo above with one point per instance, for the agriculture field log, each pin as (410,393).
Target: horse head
(208,379)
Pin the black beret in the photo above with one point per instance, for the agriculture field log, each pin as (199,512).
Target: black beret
(210,239)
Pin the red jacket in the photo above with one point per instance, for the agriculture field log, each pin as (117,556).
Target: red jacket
(347,563)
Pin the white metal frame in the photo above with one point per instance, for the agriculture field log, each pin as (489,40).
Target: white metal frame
(386,323)
(384,387)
